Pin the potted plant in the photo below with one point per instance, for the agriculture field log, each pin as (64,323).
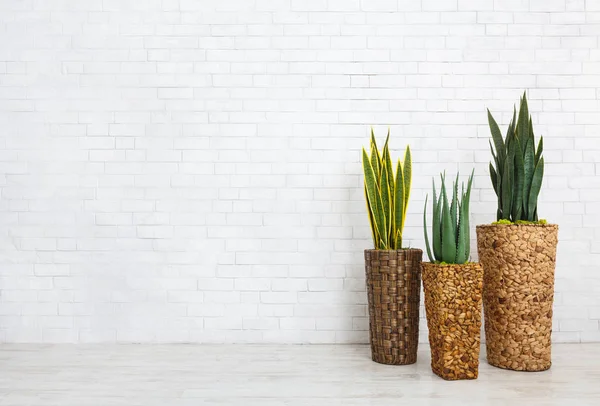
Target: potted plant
(518,252)
(393,273)
(452,286)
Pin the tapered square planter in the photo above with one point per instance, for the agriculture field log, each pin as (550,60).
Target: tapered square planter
(518,293)
(453,305)
(393,288)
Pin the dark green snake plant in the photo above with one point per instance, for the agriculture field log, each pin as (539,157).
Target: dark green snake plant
(518,167)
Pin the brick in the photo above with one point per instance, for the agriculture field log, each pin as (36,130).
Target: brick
(203,168)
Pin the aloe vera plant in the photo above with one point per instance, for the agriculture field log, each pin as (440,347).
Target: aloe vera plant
(518,167)
(387,191)
(450,226)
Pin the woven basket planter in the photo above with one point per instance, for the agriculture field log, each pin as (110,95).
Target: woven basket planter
(453,306)
(518,292)
(394,288)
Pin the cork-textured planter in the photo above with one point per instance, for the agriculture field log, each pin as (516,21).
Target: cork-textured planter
(453,306)
(394,288)
(518,292)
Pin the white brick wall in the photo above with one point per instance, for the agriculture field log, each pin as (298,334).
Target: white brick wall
(177,171)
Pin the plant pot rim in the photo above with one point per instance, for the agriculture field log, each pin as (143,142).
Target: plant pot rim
(548,225)
(403,249)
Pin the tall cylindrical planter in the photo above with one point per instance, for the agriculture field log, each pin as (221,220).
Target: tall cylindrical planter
(518,293)
(453,306)
(393,288)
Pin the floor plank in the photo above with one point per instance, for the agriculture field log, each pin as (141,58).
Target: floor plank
(265,375)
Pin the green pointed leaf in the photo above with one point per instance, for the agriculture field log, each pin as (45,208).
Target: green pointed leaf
(437,226)
(435,199)
(387,159)
(494,178)
(373,141)
(448,236)
(531,136)
(493,153)
(431,259)
(540,149)
(517,205)
(374,200)
(536,185)
(497,137)
(507,186)
(454,206)
(387,162)
(407,170)
(399,208)
(463,234)
(529,154)
(386,200)
(513,122)
(375,157)
(371,220)
(375,162)
(523,123)
(466,203)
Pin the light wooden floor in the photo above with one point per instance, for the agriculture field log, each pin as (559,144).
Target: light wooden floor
(173,375)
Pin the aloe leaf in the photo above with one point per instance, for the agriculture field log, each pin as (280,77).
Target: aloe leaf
(466,203)
(463,232)
(435,199)
(425,231)
(448,237)
(437,225)
(454,206)
(536,185)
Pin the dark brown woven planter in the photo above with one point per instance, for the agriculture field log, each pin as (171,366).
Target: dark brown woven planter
(518,292)
(453,305)
(394,288)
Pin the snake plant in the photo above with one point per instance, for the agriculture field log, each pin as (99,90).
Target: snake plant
(518,167)
(386,191)
(450,228)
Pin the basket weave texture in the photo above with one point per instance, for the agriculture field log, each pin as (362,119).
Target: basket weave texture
(394,288)
(453,304)
(518,293)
